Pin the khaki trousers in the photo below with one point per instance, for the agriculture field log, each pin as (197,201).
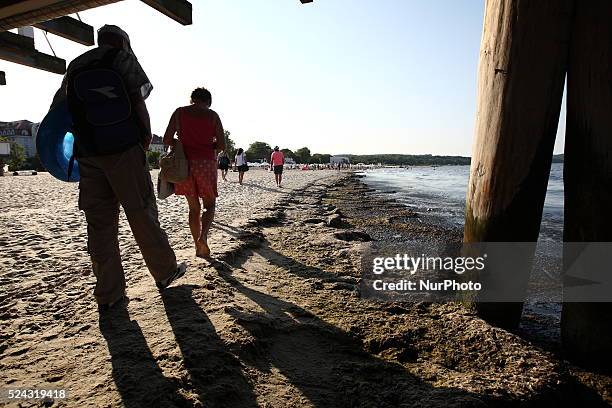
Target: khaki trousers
(106,182)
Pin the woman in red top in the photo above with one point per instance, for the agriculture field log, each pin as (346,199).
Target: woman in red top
(200,131)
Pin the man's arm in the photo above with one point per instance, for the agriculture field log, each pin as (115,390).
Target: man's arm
(140,107)
(60,94)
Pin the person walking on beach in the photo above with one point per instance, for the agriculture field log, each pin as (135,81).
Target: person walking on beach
(241,164)
(105,89)
(277,160)
(200,131)
(223,162)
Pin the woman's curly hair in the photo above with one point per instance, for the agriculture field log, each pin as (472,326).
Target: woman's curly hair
(202,95)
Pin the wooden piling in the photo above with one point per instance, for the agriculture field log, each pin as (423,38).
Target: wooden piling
(523,61)
(587,327)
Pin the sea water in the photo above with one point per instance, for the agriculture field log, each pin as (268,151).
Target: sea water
(440,192)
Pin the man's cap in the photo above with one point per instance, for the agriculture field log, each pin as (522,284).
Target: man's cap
(113,29)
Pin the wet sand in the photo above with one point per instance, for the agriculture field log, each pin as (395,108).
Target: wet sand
(276,320)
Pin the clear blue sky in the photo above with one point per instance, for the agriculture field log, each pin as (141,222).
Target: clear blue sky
(338,76)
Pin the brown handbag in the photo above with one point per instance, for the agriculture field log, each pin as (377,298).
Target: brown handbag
(174,164)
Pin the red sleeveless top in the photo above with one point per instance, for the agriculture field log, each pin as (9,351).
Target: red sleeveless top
(197,135)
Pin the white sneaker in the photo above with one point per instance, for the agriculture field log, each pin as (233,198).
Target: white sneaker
(180,271)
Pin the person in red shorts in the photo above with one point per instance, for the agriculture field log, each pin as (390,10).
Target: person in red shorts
(278,160)
(200,131)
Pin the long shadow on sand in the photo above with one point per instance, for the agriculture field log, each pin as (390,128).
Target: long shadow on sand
(272,190)
(215,374)
(291,265)
(327,364)
(229,229)
(137,376)
(573,393)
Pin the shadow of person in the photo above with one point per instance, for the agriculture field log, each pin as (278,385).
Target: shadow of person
(328,365)
(229,229)
(214,373)
(290,265)
(138,378)
(260,187)
(310,335)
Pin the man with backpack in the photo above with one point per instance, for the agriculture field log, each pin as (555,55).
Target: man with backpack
(106,90)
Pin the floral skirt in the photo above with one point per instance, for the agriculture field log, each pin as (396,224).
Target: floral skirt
(201,182)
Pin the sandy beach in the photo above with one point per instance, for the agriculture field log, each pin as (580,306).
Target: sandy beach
(50,332)
(276,320)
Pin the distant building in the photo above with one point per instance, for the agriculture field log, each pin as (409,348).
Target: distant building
(339,160)
(21,132)
(289,160)
(157,144)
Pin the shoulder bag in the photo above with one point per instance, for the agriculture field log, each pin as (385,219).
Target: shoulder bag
(174,164)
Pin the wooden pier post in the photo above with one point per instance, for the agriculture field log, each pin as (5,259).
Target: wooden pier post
(523,61)
(587,327)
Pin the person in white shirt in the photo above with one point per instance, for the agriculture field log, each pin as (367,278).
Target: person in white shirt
(241,164)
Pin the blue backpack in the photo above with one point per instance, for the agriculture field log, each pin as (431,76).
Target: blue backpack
(103,119)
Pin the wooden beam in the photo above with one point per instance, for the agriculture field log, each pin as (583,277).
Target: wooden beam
(586,328)
(36,60)
(8,39)
(69,28)
(18,49)
(14,7)
(14,14)
(178,10)
(19,13)
(523,61)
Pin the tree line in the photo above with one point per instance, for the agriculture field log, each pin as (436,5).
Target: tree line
(259,151)
(409,159)
(17,159)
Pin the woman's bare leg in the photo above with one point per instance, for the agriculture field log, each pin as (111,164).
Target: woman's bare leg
(207,219)
(195,221)
(240,176)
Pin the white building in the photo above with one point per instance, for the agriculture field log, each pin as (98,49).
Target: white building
(157,144)
(22,132)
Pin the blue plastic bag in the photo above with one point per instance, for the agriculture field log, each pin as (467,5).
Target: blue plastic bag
(55,144)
